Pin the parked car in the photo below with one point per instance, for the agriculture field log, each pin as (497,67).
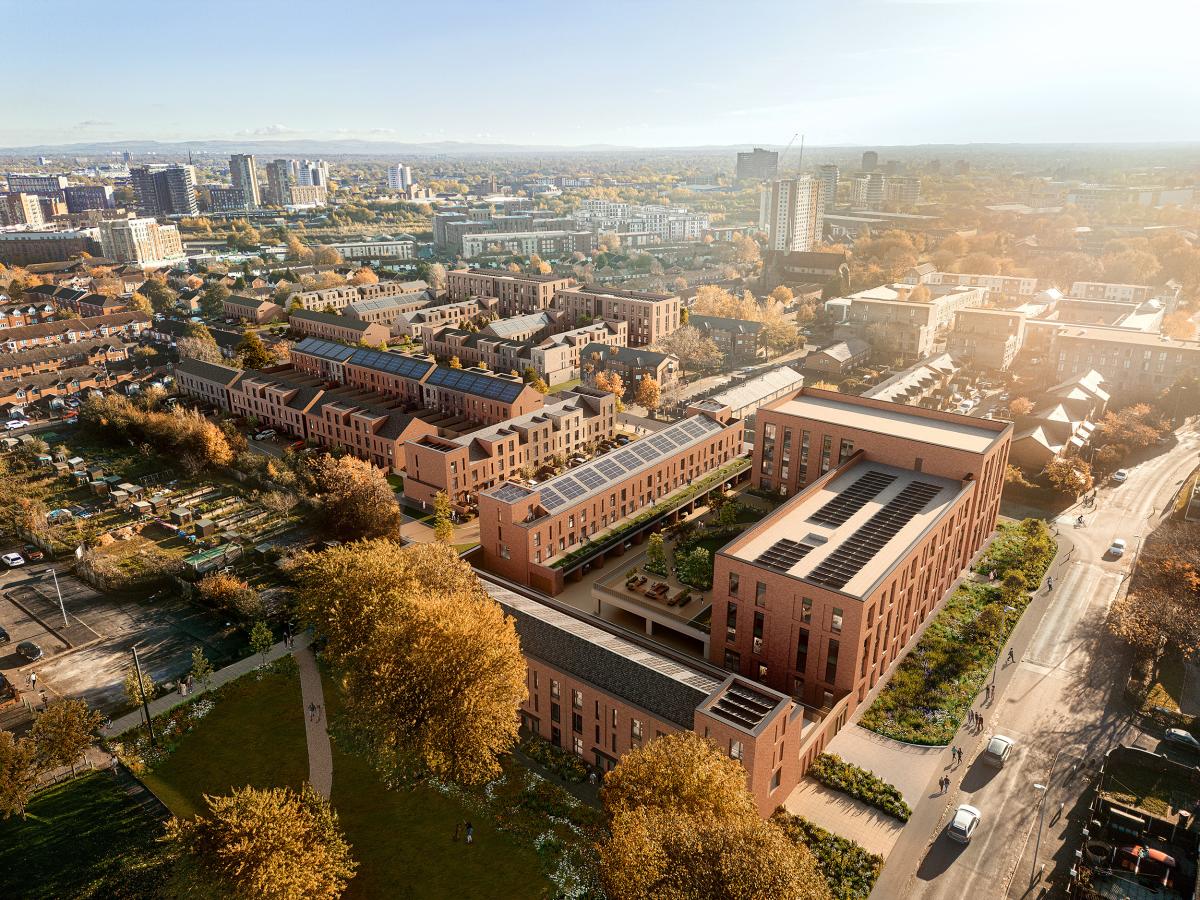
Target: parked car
(622,439)
(4,636)
(1146,862)
(1120,476)
(14,424)
(265,435)
(32,551)
(997,751)
(1182,738)
(29,650)
(964,824)
(12,560)
(1117,548)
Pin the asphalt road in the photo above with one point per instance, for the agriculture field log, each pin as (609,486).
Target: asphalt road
(1062,701)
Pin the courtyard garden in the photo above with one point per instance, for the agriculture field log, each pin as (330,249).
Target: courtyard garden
(931,690)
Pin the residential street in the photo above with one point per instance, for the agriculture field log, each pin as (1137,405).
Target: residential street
(1061,701)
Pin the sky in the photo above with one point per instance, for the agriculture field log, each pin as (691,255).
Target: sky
(654,73)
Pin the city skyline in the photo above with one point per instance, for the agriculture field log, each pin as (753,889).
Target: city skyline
(887,72)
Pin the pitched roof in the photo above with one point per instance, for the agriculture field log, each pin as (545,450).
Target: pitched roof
(331,319)
(225,375)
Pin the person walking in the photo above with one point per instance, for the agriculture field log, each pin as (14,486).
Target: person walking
(1011,658)
(470,833)
(312,712)
(33,679)
(1049,584)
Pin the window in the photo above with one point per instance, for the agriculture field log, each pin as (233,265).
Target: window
(733,583)
(806,610)
(733,661)
(760,593)
(577,723)
(635,729)
(845,450)
(826,450)
(758,632)
(762,672)
(731,623)
(802,650)
(555,713)
(831,660)
(577,745)
(576,699)
(735,749)
(837,619)
(775,779)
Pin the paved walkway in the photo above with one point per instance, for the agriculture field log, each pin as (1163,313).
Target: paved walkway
(844,816)
(907,766)
(320,754)
(220,677)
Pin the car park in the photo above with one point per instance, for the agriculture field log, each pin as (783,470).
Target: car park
(998,750)
(1120,476)
(30,651)
(12,560)
(1117,548)
(1182,738)
(964,824)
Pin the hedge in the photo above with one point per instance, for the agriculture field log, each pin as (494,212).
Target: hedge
(848,869)
(833,771)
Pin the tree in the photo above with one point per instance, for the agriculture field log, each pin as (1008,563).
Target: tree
(1179,325)
(746,252)
(134,691)
(365,275)
(656,555)
(202,669)
(273,843)
(683,825)
(296,250)
(437,277)
(139,303)
(455,363)
(63,732)
(920,294)
(231,594)
(195,348)
(696,568)
(693,350)
(647,394)
(979,263)
(1013,475)
(431,666)
(780,335)
(534,378)
(18,773)
(212,299)
(253,352)
(1070,475)
(443,518)
(159,293)
(1020,406)
(611,382)
(782,295)
(325,255)
(355,498)
(261,639)
(609,242)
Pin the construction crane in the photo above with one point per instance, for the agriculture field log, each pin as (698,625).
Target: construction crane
(800,161)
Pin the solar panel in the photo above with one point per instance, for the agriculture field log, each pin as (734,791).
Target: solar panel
(510,493)
(627,459)
(838,510)
(609,468)
(692,428)
(663,443)
(743,706)
(860,548)
(590,478)
(569,488)
(646,452)
(476,383)
(783,554)
(325,349)
(551,499)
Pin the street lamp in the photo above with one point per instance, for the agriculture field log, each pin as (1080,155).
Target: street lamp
(58,590)
(1042,789)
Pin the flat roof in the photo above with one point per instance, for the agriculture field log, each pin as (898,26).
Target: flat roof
(958,434)
(832,532)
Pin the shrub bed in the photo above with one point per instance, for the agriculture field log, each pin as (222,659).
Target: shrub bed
(833,771)
(565,765)
(928,695)
(848,869)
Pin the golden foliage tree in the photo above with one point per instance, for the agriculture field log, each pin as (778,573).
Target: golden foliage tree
(18,773)
(365,275)
(431,666)
(683,825)
(1070,475)
(275,844)
(443,518)
(356,499)
(63,732)
(647,394)
(611,382)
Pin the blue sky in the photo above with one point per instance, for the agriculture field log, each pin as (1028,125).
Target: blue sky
(638,73)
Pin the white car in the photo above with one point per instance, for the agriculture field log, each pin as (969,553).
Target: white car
(964,824)
(1182,738)
(997,751)
(1120,476)
(14,424)
(12,560)
(1117,548)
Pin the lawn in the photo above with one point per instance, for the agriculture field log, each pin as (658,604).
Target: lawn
(81,838)
(402,839)
(935,684)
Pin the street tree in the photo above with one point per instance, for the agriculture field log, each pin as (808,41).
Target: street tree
(18,773)
(443,518)
(261,639)
(431,666)
(134,690)
(647,394)
(1020,406)
(63,732)
(1070,475)
(202,669)
(273,843)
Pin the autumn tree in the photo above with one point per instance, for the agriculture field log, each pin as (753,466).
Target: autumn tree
(261,639)
(1070,475)
(782,295)
(202,668)
(296,251)
(1020,406)
(231,594)
(611,382)
(63,732)
(443,518)
(647,394)
(140,303)
(324,255)
(1162,607)
(355,498)
(431,666)
(455,363)
(18,773)
(532,377)
(273,843)
(253,352)
(1179,325)
(365,275)
(161,296)
(693,350)
(135,688)
(746,251)
(212,299)
(683,825)
(436,277)
(979,263)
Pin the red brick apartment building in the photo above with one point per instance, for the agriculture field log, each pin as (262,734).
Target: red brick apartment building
(598,693)
(651,315)
(333,327)
(891,503)
(70,331)
(465,465)
(518,293)
(524,529)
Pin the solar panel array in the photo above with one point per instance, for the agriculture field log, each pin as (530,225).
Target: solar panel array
(618,466)
(838,510)
(489,386)
(783,554)
(510,493)
(392,363)
(860,548)
(325,349)
(743,705)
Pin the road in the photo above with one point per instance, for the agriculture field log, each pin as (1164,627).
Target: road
(1061,701)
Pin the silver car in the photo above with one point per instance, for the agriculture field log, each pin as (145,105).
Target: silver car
(997,751)
(964,824)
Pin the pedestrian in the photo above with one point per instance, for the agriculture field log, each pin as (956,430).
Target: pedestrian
(470,833)
(591,778)
(312,711)
(33,679)
(1011,658)
(1049,584)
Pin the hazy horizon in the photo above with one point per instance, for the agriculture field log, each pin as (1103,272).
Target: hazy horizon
(667,75)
